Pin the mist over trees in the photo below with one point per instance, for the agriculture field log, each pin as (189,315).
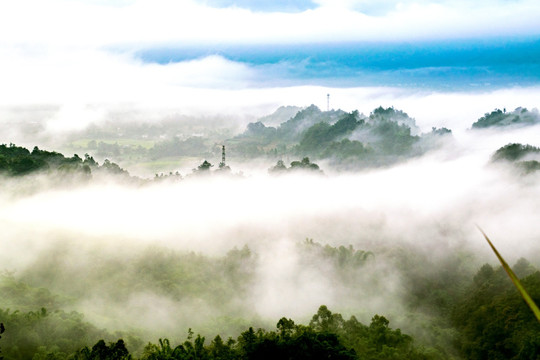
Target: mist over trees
(348,140)
(500,118)
(19,161)
(342,140)
(456,306)
(118,280)
(525,158)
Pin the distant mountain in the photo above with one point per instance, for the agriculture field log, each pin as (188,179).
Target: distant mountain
(346,139)
(526,158)
(293,129)
(500,118)
(282,114)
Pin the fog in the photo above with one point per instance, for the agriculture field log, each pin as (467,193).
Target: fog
(49,121)
(87,241)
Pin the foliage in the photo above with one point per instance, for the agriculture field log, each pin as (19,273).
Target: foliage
(20,295)
(303,165)
(524,294)
(205,166)
(317,137)
(327,336)
(353,139)
(102,351)
(493,320)
(177,275)
(278,168)
(499,118)
(514,153)
(42,331)
(342,257)
(347,149)
(488,319)
(19,161)
(2,330)
(293,129)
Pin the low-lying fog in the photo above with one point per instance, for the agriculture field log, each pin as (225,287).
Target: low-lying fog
(97,243)
(81,241)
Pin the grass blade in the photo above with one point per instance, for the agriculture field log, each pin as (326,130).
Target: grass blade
(514,278)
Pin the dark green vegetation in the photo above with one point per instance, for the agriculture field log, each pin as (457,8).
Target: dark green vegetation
(523,157)
(16,161)
(451,310)
(348,140)
(328,336)
(500,118)
(303,165)
(19,161)
(493,320)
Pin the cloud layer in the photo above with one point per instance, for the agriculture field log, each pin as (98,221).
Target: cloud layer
(143,22)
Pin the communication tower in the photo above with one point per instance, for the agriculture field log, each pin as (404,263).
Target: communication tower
(222,163)
(327,102)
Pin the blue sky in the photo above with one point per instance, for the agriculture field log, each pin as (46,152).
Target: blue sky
(132,50)
(262,5)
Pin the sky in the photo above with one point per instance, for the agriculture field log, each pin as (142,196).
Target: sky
(253,56)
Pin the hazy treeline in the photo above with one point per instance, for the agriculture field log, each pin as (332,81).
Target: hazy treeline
(19,161)
(455,305)
(345,140)
(524,157)
(500,118)
(348,140)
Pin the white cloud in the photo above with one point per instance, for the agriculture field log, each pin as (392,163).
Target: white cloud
(59,52)
(144,22)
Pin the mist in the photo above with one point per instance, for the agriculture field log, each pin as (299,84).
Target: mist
(84,242)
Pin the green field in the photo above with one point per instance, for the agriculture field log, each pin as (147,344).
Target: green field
(164,165)
(83,143)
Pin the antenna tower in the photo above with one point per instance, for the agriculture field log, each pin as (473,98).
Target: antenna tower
(222,164)
(327,102)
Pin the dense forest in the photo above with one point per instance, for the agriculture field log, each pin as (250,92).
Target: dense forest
(81,299)
(473,318)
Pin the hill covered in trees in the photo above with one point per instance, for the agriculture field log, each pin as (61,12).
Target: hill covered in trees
(348,140)
(525,158)
(500,118)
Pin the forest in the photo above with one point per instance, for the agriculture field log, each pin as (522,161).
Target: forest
(459,308)
(325,234)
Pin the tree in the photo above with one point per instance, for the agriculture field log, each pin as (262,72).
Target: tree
(2,329)
(278,168)
(205,166)
(304,164)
